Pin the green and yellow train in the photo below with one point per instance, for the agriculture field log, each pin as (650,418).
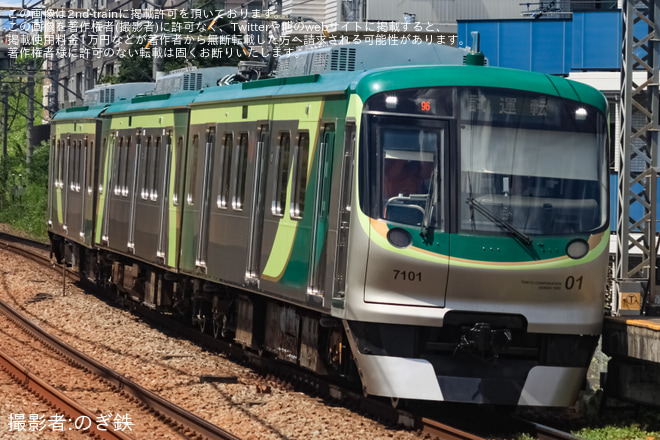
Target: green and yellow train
(439,230)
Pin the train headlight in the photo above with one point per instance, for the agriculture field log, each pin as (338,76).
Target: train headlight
(399,238)
(577,249)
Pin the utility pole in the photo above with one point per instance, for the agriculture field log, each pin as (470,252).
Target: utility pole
(158,58)
(638,158)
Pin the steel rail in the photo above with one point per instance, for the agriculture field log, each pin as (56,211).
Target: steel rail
(168,409)
(445,432)
(59,400)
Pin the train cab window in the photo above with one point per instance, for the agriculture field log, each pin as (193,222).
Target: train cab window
(410,167)
(241,172)
(300,177)
(281,164)
(190,198)
(178,170)
(225,169)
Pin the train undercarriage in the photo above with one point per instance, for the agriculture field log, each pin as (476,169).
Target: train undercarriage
(265,325)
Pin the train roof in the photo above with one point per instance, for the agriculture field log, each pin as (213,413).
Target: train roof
(153,102)
(363,83)
(300,85)
(82,112)
(367,83)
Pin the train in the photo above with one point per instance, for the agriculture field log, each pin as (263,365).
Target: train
(405,217)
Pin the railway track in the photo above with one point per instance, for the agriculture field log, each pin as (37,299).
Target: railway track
(309,382)
(70,408)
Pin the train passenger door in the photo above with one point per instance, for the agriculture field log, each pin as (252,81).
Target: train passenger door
(133,190)
(82,180)
(319,249)
(202,245)
(67,176)
(258,201)
(164,200)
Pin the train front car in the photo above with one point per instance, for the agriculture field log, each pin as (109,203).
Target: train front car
(478,248)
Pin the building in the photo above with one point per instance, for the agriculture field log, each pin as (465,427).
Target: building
(427,20)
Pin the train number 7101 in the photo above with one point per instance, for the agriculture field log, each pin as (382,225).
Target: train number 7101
(407,275)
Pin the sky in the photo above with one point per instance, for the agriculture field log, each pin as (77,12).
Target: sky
(11,3)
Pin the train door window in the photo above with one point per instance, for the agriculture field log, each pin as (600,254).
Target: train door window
(70,146)
(126,152)
(225,169)
(79,167)
(103,163)
(52,176)
(63,152)
(153,193)
(209,157)
(58,168)
(71,165)
(193,170)
(144,170)
(178,169)
(116,155)
(241,172)
(281,164)
(89,164)
(301,159)
(119,166)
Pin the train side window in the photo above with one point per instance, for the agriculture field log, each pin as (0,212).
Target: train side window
(193,170)
(153,194)
(178,169)
(282,173)
(241,172)
(225,169)
(300,177)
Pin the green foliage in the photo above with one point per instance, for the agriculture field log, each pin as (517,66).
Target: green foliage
(632,432)
(23,189)
(137,65)
(135,69)
(108,79)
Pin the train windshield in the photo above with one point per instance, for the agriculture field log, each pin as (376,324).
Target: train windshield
(530,164)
